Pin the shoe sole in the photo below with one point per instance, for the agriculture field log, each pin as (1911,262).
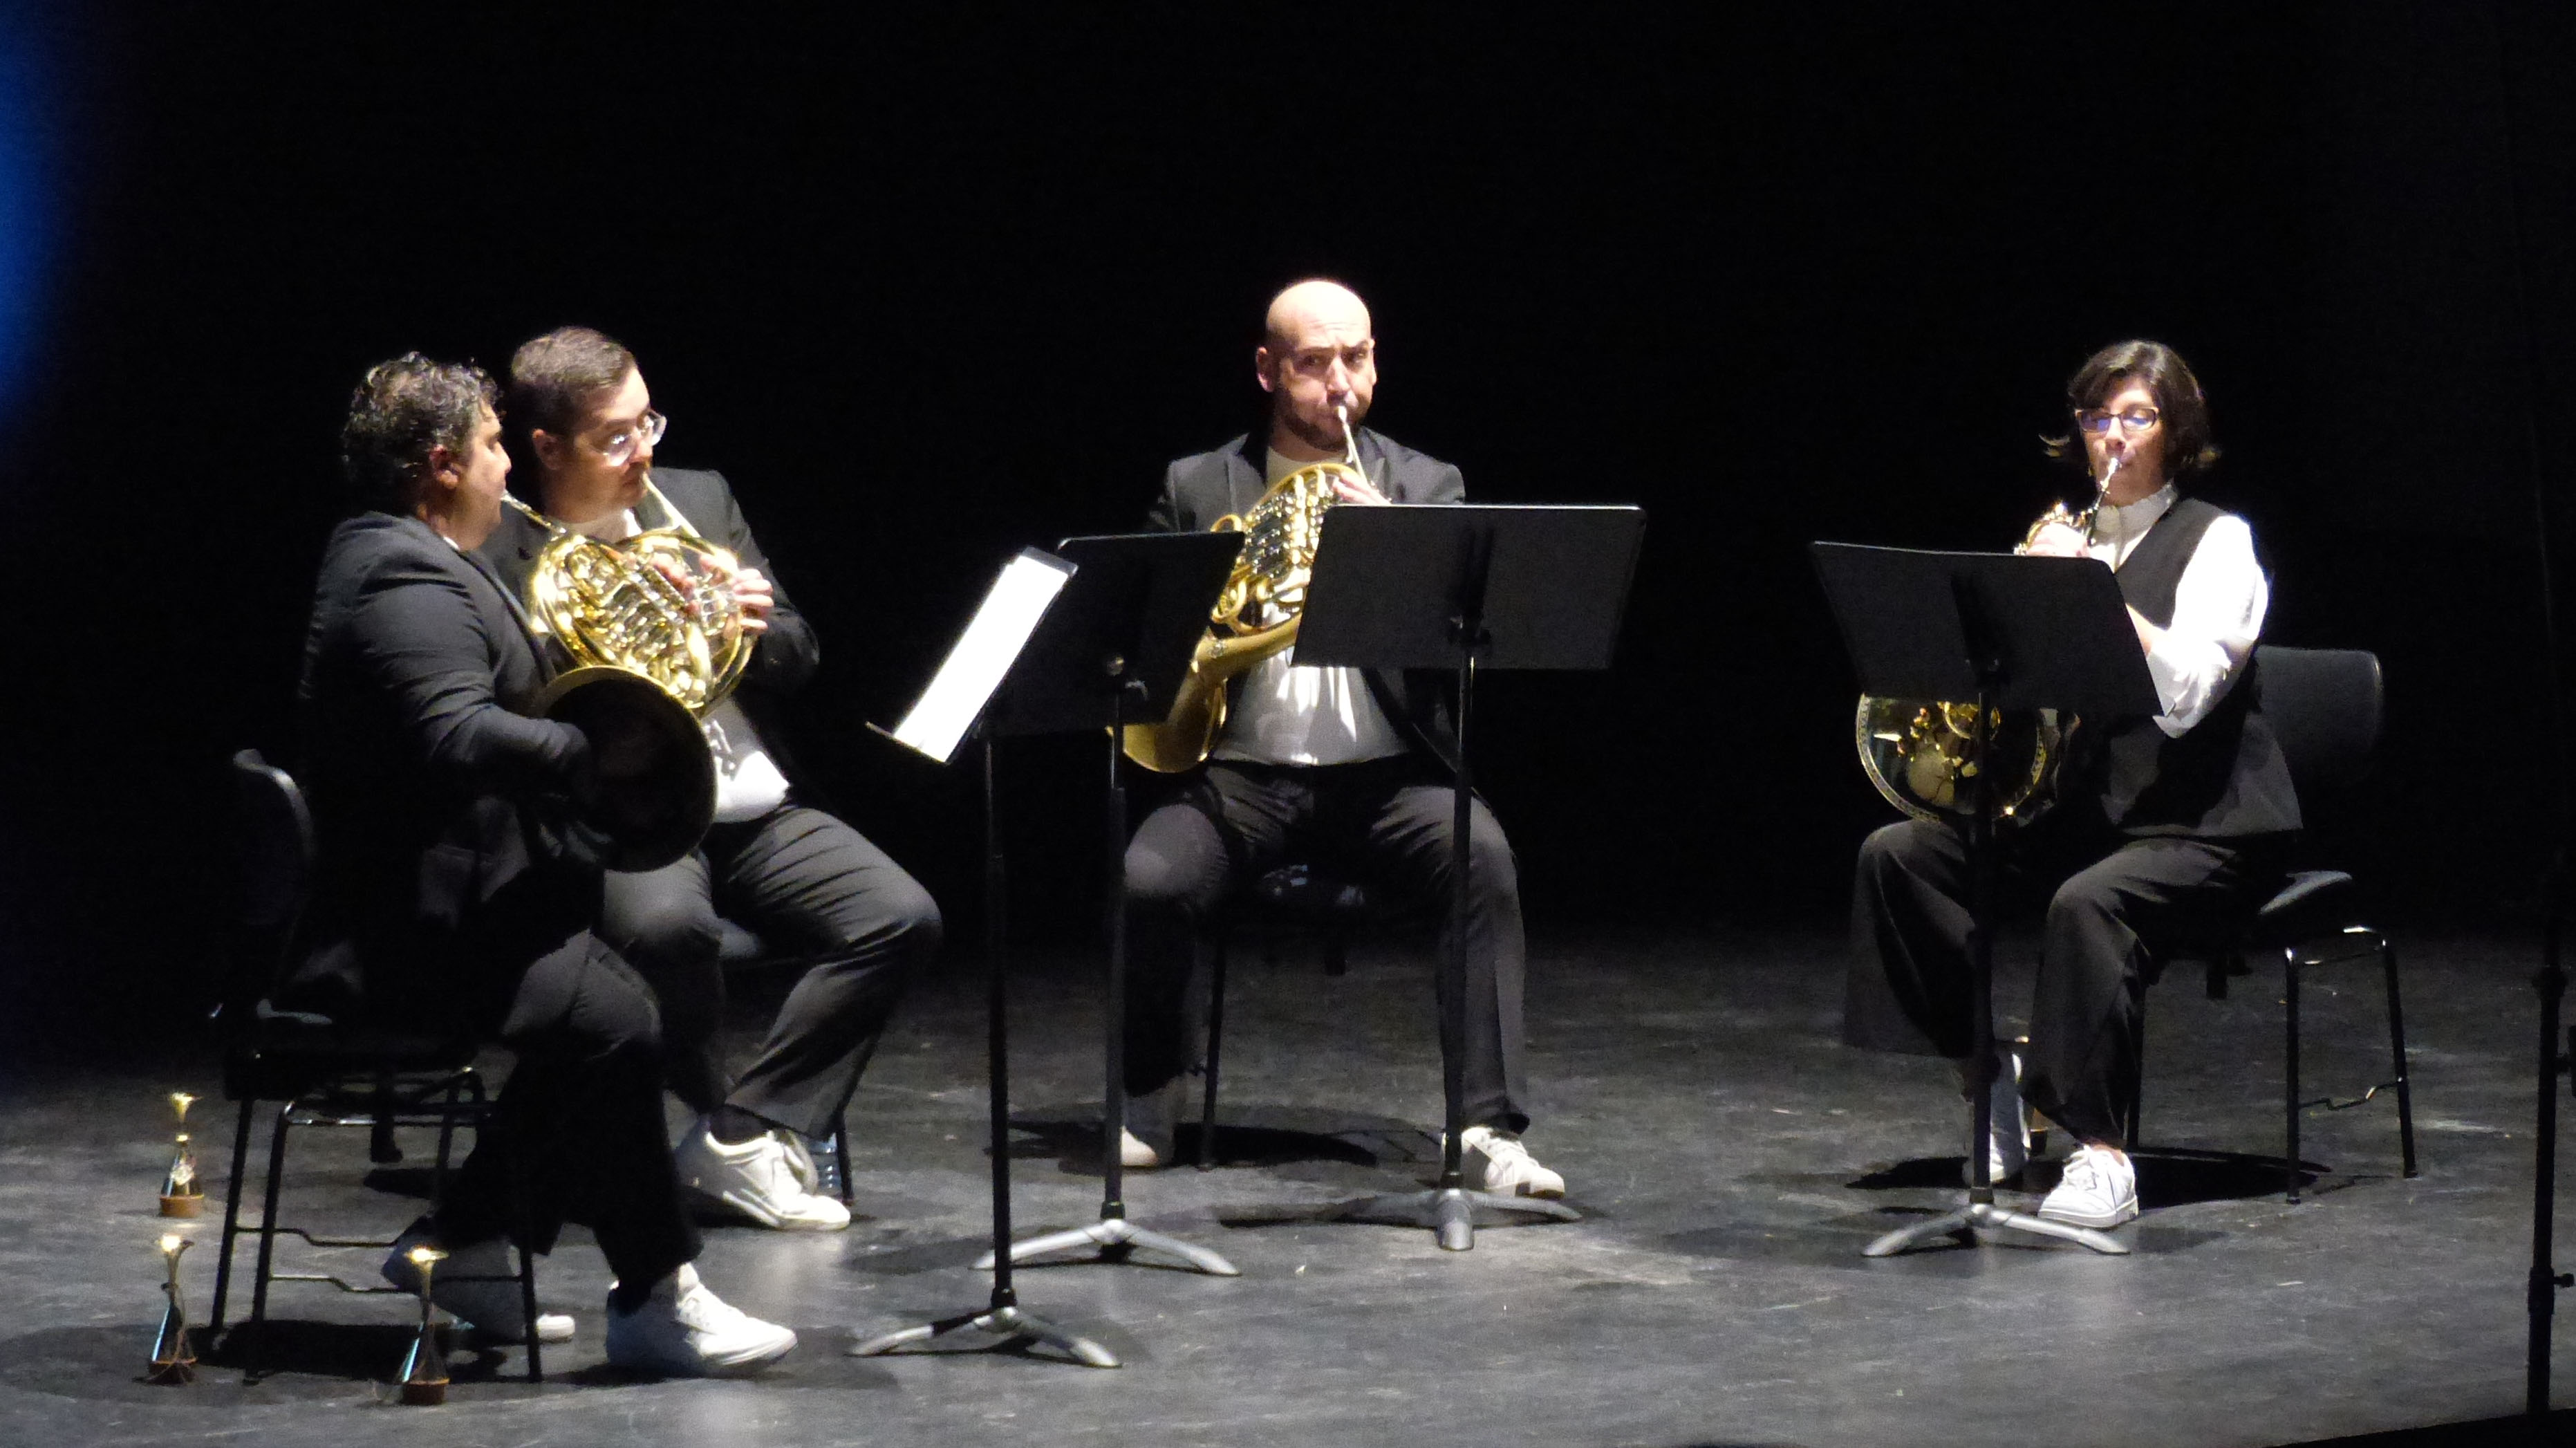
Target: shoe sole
(2101,1223)
(732,1205)
(734,1366)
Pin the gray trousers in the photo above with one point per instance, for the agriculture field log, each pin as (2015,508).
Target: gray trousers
(813,889)
(1388,819)
(2111,903)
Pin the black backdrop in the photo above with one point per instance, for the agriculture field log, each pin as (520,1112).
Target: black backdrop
(929,290)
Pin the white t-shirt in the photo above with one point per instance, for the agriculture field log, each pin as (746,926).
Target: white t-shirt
(1286,713)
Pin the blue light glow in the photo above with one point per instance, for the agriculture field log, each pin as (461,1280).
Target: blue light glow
(26,219)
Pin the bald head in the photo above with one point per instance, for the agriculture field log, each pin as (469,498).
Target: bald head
(1317,360)
(1315,306)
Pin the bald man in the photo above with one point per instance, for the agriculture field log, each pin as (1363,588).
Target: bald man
(1351,765)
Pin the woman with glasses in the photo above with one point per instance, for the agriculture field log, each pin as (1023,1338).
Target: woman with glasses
(2168,826)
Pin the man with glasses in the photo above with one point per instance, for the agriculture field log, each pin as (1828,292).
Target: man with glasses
(582,423)
(2168,827)
(1355,763)
(453,890)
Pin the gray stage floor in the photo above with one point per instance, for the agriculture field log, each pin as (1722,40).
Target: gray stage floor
(1729,1156)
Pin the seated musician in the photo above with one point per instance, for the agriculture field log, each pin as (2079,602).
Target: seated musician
(1355,762)
(2171,827)
(453,888)
(583,429)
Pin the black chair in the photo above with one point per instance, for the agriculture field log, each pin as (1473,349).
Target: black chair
(1291,902)
(320,1072)
(744,952)
(2326,707)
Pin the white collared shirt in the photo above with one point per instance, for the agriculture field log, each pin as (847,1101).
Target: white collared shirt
(1287,713)
(2218,606)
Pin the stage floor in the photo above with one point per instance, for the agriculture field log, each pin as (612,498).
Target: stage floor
(1730,1159)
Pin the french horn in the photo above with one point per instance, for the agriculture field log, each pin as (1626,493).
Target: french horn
(1258,611)
(656,639)
(1917,752)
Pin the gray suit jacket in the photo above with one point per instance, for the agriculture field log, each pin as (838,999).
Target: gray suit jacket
(1201,488)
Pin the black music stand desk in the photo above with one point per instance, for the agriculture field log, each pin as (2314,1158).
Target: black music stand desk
(1059,645)
(1113,652)
(1469,589)
(2008,632)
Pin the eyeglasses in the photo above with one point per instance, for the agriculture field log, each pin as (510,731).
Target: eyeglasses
(645,431)
(2134,420)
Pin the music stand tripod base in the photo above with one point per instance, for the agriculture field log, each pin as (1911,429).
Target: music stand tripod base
(1117,1238)
(1961,1226)
(1450,1212)
(1005,1325)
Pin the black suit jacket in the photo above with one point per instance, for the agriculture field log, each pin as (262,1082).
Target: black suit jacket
(428,782)
(784,659)
(1204,487)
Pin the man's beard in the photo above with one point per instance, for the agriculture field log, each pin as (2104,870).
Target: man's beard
(1325,436)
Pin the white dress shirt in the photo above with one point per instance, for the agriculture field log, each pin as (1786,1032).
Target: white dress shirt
(2218,607)
(1288,713)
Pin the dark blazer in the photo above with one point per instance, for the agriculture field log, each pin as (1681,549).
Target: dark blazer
(782,662)
(1202,488)
(428,782)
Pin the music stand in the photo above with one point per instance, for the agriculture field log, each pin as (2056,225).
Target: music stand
(2008,632)
(1018,668)
(1469,589)
(1113,652)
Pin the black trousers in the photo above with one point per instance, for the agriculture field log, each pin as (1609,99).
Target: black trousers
(809,886)
(1390,819)
(579,1123)
(2112,902)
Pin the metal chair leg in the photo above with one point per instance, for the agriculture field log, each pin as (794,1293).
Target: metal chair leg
(841,1151)
(1215,1042)
(254,1355)
(232,1217)
(2397,1051)
(2290,1070)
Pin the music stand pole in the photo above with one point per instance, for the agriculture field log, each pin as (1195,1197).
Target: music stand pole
(2545,1279)
(1449,1209)
(1981,1210)
(1002,1316)
(1117,1238)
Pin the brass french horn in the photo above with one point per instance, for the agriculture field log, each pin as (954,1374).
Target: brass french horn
(1257,613)
(656,639)
(1917,751)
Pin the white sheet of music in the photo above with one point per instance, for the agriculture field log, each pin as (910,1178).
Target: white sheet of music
(983,653)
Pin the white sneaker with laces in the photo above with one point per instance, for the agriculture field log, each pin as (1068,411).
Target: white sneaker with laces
(1136,1153)
(683,1330)
(756,1179)
(1509,1169)
(2098,1189)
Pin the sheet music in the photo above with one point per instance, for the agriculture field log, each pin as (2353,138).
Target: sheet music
(983,653)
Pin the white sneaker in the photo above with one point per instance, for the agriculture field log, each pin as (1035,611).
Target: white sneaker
(756,1179)
(2098,1189)
(477,1283)
(683,1330)
(1509,1170)
(1136,1153)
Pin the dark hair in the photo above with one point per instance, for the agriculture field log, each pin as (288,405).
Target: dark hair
(2190,449)
(554,379)
(405,408)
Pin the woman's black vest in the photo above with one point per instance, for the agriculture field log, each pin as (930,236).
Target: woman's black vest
(2225,777)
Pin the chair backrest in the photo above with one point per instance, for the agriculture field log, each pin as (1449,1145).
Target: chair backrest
(273,860)
(2325,706)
